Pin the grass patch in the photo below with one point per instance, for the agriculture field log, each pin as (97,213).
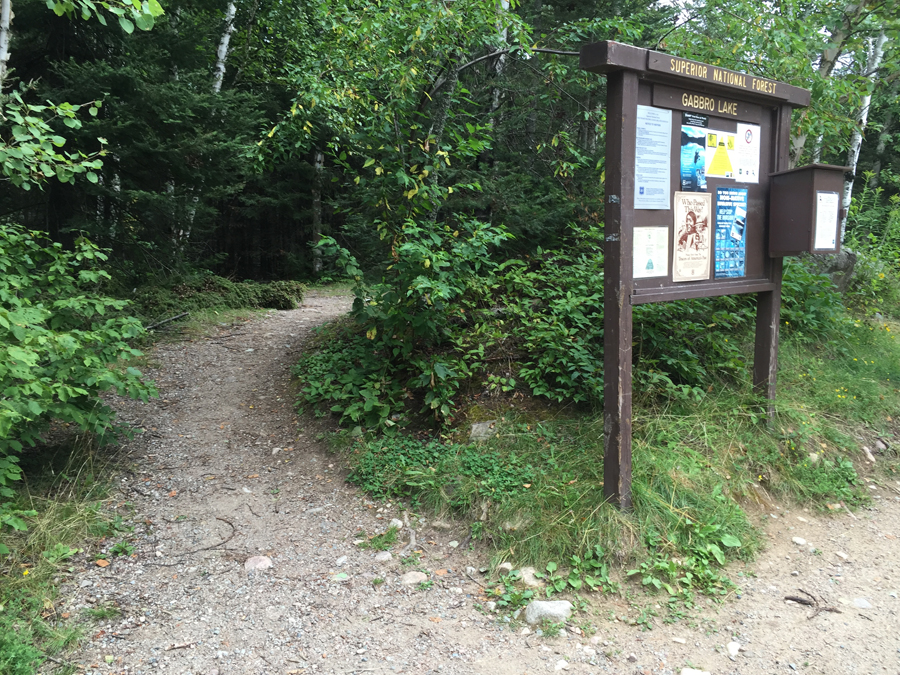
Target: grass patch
(534,490)
(65,485)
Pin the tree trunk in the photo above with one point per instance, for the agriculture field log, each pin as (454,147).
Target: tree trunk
(874,55)
(222,52)
(838,38)
(319,166)
(884,136)
(5,14)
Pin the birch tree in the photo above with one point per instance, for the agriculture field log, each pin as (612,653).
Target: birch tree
(874,56)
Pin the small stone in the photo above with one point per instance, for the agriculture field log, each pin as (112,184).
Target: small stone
(453,544)
(733,648)
(482,430)
(553,610)
(680,641)
(575,630)
(471,571)
(802,519)
(795,573)
(842,555)
(505,568)
(596,640)
(862,603)
(800,541)
(562,664)
(383,556)
(632,658)
(589,651)
(525,631)
(340,561)
(275,451)
(693,671)
(880,445)
(413,578)
(868,454)
(258,562)
(529,578)
(490,606)
(317,509)
(396,523)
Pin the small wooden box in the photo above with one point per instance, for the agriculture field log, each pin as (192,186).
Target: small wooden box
(805,210)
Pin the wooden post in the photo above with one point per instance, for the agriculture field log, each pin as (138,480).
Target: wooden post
(768,304)
(617,286)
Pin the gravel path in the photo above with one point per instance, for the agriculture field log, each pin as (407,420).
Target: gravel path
(227,478)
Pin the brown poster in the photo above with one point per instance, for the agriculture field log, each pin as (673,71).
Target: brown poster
(692,236)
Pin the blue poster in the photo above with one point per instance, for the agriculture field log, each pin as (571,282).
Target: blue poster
(693,159)
(731,231)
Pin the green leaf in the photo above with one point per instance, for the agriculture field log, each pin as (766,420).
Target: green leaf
(126,25)
(91,176)
(731,541)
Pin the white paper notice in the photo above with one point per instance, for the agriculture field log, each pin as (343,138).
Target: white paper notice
(652,154)
(651,252)
(746,154)
(826,220)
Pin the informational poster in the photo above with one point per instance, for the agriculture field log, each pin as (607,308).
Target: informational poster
(827,211)
(731,232)
(733,155)
(746,154)
(693,152)
(653,150)
(719,152)
(692,236)
(651,252)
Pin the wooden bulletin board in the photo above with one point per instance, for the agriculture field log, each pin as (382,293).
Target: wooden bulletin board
(689,151)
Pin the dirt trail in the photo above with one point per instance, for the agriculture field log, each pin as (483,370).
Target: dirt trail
(226,473)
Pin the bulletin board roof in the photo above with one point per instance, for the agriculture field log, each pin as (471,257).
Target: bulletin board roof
(608,56)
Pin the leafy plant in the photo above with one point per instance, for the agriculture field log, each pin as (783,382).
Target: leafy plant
(61,345)
(381,542)
(122,548)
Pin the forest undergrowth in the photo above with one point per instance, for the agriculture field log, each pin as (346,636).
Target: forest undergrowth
(520,347)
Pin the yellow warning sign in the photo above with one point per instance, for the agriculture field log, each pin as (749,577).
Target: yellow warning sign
(719,149)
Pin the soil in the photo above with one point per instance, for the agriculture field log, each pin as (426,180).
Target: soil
(227,476)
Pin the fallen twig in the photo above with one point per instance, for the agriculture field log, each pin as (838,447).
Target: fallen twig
(198,550)
(164,321)
(181,646)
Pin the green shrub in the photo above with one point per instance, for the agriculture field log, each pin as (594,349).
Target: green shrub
(168,297)
(62,343)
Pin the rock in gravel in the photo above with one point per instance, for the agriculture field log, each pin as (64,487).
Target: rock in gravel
(490,606)
(562,664)
(693,671)
(383,556)
(413,578)
(862,603)
(340,561)
(632,658)
(800,541)
(553,610)
(482,430)
(395,522)
(505,568)
(841,555)
(529,578)
(680,641)
(734,648)
(258,562)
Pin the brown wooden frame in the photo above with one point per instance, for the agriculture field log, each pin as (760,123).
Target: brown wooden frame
(642,76)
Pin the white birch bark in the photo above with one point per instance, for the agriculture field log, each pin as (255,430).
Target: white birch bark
(875,54)
(318,167)
(222,52)
(5,18)
(838,38)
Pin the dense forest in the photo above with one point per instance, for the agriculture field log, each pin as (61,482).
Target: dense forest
(230,136)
